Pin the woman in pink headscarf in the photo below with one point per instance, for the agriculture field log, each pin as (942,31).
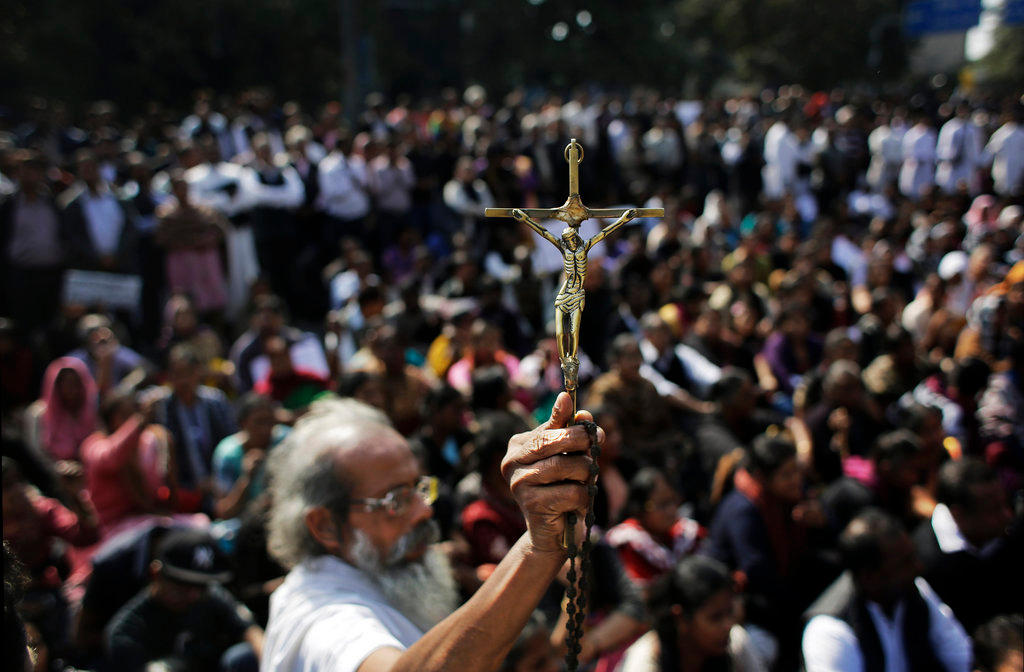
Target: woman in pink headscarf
(66,413)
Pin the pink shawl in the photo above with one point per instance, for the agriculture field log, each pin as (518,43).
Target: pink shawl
(62,431)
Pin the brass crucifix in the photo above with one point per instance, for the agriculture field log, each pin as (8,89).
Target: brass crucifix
(571,297)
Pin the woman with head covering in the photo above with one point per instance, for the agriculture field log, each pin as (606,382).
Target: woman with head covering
(66,412)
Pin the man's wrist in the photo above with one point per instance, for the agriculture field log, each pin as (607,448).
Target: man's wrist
(551,551)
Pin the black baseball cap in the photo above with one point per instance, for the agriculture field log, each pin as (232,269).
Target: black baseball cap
(192,556)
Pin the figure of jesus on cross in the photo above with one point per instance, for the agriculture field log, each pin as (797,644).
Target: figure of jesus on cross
(571,296)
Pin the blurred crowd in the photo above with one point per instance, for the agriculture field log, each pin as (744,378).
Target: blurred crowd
(811,369)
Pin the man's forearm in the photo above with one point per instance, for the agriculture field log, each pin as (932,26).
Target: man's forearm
(479,634)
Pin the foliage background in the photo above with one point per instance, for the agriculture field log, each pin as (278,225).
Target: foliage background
(133,51)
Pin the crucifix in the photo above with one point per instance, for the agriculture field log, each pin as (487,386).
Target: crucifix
(570,299)
(569,304)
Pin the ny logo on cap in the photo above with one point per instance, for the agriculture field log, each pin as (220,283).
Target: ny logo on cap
(203,557)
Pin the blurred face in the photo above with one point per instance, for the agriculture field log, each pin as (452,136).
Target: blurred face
(708,629)
(184,319)
(180,189)
(184,378)
(989,516)
(660,337)
(888,583)
(259,426)
(847,391)
(796,326)
(70,390)
(744,321)
(177,596)
(660,509)
(89,172)
(279,356)
(931,433)
(787,482)
(628,363)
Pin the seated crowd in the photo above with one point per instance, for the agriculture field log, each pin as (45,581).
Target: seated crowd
(809,379)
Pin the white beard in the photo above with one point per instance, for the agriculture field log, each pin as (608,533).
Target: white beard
(423,591)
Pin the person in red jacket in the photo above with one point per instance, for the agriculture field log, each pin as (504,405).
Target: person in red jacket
(653,537)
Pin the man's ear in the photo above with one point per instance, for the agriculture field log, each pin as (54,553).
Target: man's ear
(323,527)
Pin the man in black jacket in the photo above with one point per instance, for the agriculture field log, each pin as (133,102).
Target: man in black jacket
(971,548)
(879,614)
(33,242)
(101,236)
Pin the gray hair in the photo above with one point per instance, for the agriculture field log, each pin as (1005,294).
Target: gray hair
(303,475)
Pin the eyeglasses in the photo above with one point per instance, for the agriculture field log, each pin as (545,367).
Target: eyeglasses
(397,502)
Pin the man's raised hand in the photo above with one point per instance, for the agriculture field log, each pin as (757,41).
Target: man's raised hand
(547,470)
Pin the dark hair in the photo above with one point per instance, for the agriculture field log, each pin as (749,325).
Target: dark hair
(494,429)
(350,382)
(439,397)
(619,345)
(724,389)
(767,453)
(913,417)
(956,478)
(640,488)
(490,384)
(860,544)
(252,402)
(995,639)
(491,439)
(110,404)
(970,375)
(897,446)
(689,586)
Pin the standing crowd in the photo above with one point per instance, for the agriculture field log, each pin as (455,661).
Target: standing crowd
(809,378)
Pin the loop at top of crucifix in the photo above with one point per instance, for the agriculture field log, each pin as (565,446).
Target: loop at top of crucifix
(573,212)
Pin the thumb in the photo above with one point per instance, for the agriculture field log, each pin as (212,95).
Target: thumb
(561,412)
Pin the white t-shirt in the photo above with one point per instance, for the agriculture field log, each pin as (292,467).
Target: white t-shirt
(328,616)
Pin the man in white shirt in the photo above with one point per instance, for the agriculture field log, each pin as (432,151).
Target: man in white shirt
(1005,149)
(391,180)
(367,591)
(958,151)
(467,196)
(344,193)
(918,172)
(880,615)
(886,146)
(781,156)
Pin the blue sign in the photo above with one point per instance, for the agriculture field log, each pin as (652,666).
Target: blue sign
(925,17)
(1012,13)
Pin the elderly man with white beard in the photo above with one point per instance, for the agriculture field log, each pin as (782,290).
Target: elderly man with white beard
(367,591)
